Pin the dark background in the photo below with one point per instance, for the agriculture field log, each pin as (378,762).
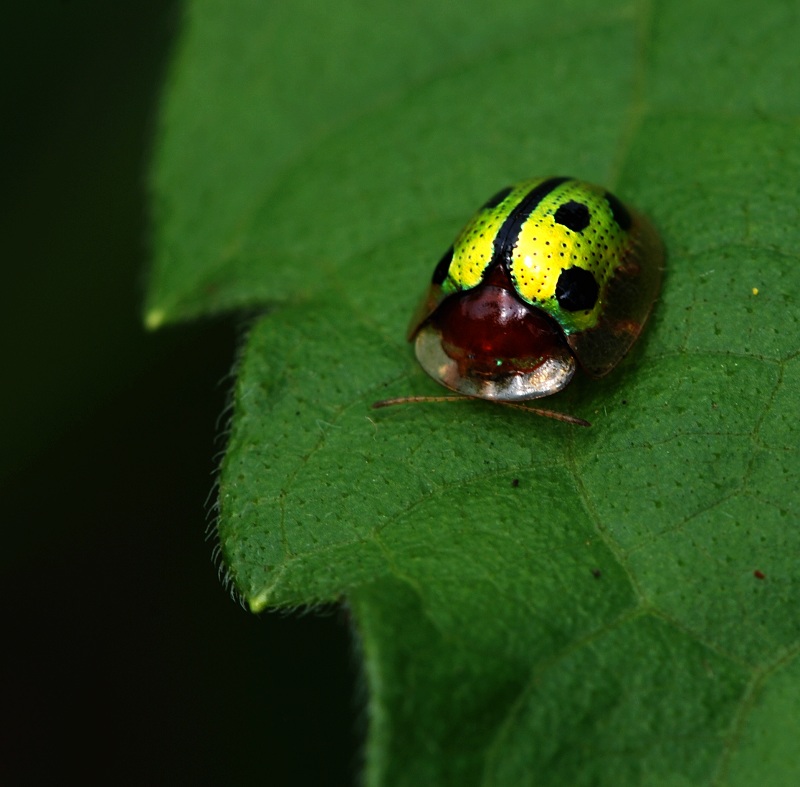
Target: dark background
(125,662)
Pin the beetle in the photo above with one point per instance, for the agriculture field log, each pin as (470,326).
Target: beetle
(548,275)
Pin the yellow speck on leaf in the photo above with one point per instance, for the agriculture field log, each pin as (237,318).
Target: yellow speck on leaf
(154,318)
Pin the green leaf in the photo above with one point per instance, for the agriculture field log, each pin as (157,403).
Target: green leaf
(537,603)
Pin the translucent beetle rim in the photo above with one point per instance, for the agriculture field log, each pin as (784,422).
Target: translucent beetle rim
(548,378)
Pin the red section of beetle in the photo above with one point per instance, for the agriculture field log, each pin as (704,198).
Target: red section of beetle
(489,330)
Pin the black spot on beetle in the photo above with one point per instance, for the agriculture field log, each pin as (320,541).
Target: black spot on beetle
(619,212)
(497,198)
(577,289)
(440,274)
(573,215)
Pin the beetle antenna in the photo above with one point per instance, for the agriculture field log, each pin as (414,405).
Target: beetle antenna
(556,416)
